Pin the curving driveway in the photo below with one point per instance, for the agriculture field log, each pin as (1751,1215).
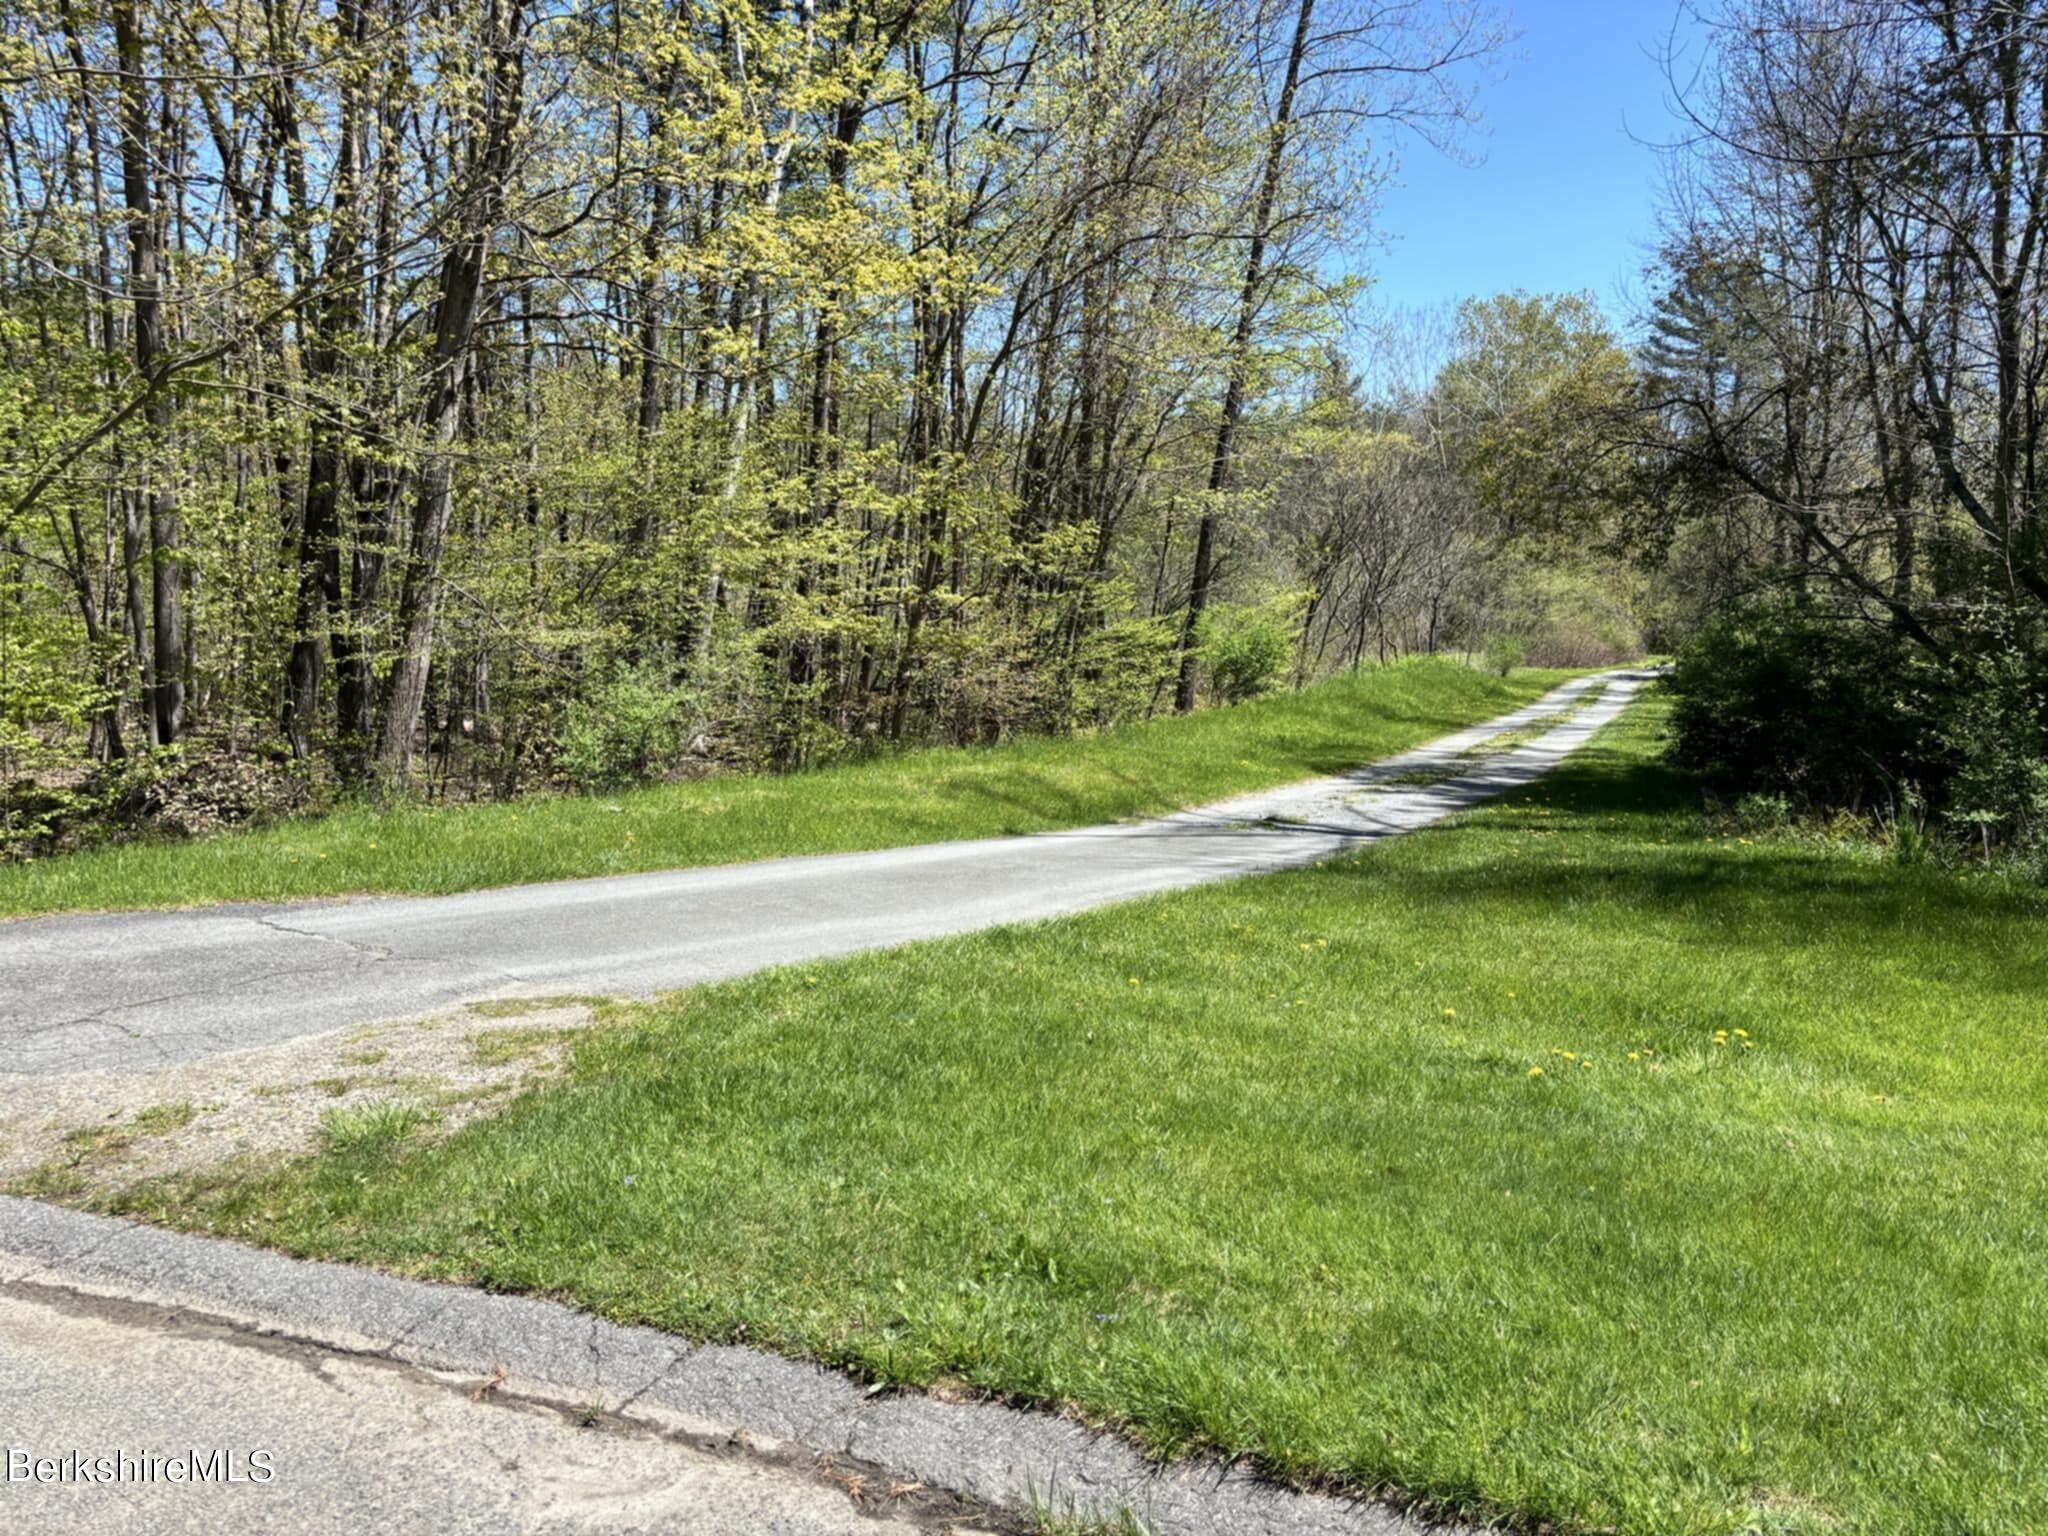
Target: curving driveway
(133,991)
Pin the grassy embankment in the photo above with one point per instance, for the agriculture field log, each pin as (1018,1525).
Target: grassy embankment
(1025,786)
(1570,1163)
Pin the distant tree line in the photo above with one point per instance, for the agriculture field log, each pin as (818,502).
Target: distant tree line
(472,398)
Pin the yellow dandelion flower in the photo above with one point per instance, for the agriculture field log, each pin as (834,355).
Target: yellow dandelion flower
(1535,1071)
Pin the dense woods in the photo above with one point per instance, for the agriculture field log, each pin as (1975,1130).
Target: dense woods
(485,396)
(463,401)
(1847,367)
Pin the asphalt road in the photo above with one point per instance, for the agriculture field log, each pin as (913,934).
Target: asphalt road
(329,1441)
(132,991)
(362,1391)
(359,1389)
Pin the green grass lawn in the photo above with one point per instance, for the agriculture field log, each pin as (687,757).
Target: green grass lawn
(1026,786)
(1571,1163)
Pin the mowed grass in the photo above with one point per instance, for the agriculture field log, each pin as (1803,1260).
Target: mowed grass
(1270,1168)
(1025,786)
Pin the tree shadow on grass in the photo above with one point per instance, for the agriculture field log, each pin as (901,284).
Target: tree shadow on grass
(1294,753)
(1795,895)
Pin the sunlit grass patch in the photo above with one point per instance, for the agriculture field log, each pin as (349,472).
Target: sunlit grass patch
(1023,786)
(1567,1164)
(357,1129)
(161,1119)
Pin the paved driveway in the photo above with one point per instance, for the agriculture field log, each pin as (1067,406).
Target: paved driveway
(134,991)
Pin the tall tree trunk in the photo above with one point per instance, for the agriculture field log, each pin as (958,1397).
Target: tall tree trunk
(318,595)
(374,487)
(750,303)
(461,289)
(652,374)
(1225,449)
(97,613)
(166,680)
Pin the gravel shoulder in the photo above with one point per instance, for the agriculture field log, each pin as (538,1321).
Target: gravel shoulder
(79,1134)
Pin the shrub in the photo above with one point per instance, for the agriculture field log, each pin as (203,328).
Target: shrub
(1247,650)
(1792,709)
(1763,812)
(1994,733)
(980,674)
(631,727)
(46,704)
(1505,652)
(1121,668)
(1780,703)
(35,817)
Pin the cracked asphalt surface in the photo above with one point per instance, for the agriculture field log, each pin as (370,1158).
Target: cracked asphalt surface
(349,1443)
(132,991)
(397,1405)
(388,1404)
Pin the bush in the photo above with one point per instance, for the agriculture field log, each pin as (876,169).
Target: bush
(35,817)
(1783,706)
(46,705)
(630,728)
(1995,734)
(1504,653)
(1247,650)
(1772,702)
(1118,671)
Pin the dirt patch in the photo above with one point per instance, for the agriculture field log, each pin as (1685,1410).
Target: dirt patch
(82,1133)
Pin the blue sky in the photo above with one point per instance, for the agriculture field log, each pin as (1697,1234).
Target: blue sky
(1564,195)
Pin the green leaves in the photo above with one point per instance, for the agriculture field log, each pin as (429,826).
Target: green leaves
(1543,396)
